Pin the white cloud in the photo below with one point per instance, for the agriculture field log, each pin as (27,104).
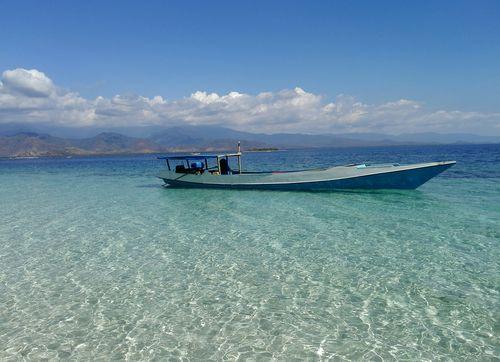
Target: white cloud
(30,83)
(31,96)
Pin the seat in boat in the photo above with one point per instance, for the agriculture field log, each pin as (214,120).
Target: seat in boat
(224,167)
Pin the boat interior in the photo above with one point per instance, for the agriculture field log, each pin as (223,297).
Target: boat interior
(220,164)
(199,164)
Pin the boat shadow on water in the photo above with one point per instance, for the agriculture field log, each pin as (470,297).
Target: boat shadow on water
(381,194)
(150,186)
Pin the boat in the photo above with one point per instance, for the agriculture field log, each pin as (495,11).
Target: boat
(213,171)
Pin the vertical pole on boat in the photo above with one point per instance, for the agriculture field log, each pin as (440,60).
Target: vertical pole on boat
(168,164)
(218,165)
(239,157)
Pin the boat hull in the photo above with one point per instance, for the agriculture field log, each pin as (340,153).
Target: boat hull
(335,178)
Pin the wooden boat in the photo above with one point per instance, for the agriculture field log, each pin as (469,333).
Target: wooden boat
(195,171)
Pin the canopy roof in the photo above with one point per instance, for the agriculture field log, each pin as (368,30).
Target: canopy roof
(187,157)
(197,157)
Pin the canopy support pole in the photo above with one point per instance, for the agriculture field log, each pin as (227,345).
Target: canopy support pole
(239,157)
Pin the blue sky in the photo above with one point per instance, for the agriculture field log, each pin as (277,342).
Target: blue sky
(445,55)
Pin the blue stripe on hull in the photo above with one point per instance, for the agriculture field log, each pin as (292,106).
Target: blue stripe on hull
(403,179)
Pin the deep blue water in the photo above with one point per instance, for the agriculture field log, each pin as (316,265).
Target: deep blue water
(99,261)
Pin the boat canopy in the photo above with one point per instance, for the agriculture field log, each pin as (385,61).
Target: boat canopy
(189,157)
(221,162)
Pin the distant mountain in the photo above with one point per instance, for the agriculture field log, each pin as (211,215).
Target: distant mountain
(425,138)
(33,144)
(109,142)
(19,140)
(13,128)
(28,144)
(203,136)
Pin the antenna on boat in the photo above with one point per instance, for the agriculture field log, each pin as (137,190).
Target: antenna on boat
(239,156)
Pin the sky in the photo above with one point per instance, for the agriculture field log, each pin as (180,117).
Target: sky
(266,66)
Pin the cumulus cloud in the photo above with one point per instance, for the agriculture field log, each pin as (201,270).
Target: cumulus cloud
(29,83)
(31,96)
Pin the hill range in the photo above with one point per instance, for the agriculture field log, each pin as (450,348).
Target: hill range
(28,141)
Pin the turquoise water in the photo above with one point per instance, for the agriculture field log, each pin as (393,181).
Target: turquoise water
(98,261)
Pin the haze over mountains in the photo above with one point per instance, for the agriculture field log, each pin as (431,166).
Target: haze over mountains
(26,140)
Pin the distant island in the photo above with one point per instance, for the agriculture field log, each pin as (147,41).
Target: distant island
(263,149)
(21,140)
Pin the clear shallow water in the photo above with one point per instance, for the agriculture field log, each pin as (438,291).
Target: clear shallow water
(99,261)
